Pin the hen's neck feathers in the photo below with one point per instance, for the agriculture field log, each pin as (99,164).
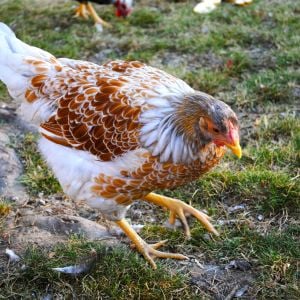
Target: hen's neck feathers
(172,132)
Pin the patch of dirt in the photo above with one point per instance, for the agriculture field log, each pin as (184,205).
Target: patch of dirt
(261,58)
(190,62)
(222,281)
(10,167)
(105,55)
(36,229)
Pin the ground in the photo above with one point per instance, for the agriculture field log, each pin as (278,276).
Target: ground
(247,56)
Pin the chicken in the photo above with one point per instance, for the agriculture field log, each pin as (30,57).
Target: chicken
(85,8)
(113,133)
(206,6)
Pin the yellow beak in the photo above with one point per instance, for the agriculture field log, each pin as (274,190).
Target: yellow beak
(236,149)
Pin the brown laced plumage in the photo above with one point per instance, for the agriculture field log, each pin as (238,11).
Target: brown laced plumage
(116,132)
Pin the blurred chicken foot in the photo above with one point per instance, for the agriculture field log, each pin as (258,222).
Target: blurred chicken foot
(95,16)
(81,11)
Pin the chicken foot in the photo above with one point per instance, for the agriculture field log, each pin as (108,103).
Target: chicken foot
(86,9)
(95,16)
(81,11)
(147,250)
(179,209)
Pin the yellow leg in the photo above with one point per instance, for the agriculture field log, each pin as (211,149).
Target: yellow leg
(95,16)
(178,209)
(148,251)
(81,11)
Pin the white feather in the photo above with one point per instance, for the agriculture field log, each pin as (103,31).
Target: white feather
(151,138)
(163,140)
(177,149)
(148,127)
(158,102)
(12,256)
(166,153)
(14,71)
(184,153)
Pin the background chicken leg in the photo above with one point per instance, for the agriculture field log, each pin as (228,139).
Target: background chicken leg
(86,9)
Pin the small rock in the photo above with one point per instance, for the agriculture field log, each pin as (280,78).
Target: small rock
(227,222)
(240,292)
(12,256)
(136,214)
(13,198)
(99,27)
(47,297)
(205,29)
(177,224)
(23,267)
(236,208)
(207,237)
(242,265)
(260,217)
(42,202)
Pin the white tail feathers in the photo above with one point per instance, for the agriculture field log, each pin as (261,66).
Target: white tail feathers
(4,29)
(12,44)
(14,71)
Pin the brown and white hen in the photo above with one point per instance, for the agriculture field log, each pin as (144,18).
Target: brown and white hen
(114,133)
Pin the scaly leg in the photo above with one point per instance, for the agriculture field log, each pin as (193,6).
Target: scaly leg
(178,209)
(148,251)
(81,11)
(95,16)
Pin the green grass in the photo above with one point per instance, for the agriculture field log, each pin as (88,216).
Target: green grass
(211,82)
(116,274)
(37,178)
(248,57)
(262,189)
(5,208)
(4,97)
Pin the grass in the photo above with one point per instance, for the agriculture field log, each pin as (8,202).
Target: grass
(37,178)
(249,57)
(4,96)
(116,274)
(5,208)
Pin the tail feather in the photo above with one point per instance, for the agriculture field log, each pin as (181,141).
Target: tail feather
(10,42)
(14,71)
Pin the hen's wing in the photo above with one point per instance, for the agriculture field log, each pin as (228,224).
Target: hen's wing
(97,108)
(95,113)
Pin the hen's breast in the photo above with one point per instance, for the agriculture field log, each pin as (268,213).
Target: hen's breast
(152,174)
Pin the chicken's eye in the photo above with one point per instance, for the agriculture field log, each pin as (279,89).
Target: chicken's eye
(216,130)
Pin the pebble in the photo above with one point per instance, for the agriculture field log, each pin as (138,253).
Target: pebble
(240,292)
(260,217)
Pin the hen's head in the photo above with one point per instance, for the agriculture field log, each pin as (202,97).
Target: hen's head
(179,129)
(207,119)
(123,7)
